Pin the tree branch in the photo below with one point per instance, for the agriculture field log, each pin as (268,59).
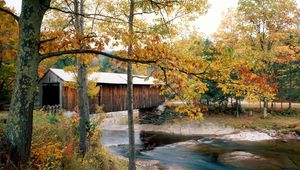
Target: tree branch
(47,40)
(10,13)
(90,16)
(82,51)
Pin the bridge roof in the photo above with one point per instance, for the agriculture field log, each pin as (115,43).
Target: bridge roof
(104,77)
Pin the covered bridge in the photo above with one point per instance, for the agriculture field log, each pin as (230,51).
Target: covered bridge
(112,95)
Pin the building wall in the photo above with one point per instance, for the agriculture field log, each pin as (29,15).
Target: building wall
(70,100)
(114,97)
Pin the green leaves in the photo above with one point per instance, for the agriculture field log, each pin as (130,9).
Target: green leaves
(52,118)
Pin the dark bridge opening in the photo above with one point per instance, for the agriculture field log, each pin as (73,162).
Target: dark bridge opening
(50,94)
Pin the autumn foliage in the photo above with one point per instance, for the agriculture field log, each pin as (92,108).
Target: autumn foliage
(8,52)
(56,145)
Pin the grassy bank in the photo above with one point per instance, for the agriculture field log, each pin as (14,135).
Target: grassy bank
(271,122)
(55,144)
(279,119)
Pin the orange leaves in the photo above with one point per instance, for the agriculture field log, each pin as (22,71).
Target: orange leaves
(53,41)
(255,86)
(9,31)
(8,54)
(69,149)
(48,155)
(287,53)
(193,111)
(284,51)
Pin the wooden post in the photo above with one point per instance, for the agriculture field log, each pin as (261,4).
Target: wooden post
(260,104)
(61,88)
(265,114)
(237,107)
(272,106)
(250,113)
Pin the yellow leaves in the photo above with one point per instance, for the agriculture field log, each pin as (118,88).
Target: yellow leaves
(93,89)
(48,155)
(284,51)
(9,31)
(224,88)
(193,111)
(52,41)
(72,69)
(278,36)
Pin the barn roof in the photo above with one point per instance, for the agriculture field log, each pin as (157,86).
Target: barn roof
(104,77)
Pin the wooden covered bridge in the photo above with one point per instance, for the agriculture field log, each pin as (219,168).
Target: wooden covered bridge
(112,95)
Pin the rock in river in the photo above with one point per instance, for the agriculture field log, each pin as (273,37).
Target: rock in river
(246,159)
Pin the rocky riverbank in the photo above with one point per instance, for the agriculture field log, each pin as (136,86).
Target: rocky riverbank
(197,128)
(221,131)
(168,121)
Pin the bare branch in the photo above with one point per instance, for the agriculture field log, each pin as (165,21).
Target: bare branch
(82,51)
(90,16)
(195,74)
(93,22)
(10,13)
(47,40)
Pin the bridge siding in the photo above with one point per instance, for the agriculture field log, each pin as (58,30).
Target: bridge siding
(113,97)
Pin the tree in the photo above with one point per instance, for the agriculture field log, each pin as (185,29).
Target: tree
(287,68)
(30,53)
(254,31)
(131,149)
(83,99)
(19,128)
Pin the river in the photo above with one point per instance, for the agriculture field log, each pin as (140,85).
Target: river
(200,152)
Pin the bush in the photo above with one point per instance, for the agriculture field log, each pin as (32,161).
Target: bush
(52,118)
(55,145)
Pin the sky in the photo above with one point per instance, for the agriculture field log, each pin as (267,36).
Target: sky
(206,24)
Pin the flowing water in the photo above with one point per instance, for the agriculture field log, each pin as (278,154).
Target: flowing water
(200,152)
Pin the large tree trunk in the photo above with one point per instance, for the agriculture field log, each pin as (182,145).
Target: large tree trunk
(130,118)
(19,129)
(131,148)
(83,105)
(83,102)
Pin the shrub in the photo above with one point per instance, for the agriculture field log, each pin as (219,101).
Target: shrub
(55,145)
(47,156)
(52,118)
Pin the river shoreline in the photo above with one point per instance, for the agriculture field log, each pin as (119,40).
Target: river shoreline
(219,131)
(115,127)
(200,128)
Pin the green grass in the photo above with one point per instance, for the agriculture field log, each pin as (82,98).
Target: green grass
(277,122)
